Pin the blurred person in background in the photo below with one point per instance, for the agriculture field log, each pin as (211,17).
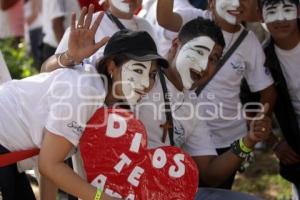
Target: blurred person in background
(56,18)
(99,5)
(33,26)
(12,24)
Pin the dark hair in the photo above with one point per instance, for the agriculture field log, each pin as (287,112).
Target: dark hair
(261,3)
(119,60)
(201,27)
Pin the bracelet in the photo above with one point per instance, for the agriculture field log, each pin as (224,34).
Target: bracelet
(59,61)
(236,149)
(98,194)
(68,58)
(243,147)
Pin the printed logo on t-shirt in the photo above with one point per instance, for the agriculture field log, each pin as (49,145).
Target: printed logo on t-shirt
(76,128)
(178,133)
(237,63)
(239,67)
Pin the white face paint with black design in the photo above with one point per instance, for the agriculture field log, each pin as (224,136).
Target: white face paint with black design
(135,79)
(122,5)
(228,10)
(281,11)
(193,56)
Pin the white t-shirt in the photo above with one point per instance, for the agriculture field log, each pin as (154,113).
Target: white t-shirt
(220,100)
(54,9)
(151,111)
(108,28)
(290,65)
(149,9)
(37,23)
(186,11)
(4,73)
(61,101)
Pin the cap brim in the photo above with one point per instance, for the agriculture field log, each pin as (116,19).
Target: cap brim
(143,56)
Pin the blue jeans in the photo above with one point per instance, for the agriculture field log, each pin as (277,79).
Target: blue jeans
(220,194)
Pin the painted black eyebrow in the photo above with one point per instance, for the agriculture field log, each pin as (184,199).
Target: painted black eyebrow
(288,6)
(203,47)
(271,8)
(141,65)
(284,6)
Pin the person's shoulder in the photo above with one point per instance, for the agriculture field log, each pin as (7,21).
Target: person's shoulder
(252,38)
(141,20)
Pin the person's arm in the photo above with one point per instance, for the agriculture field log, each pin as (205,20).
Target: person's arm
(166,17)
(58,27)
(214,170)
(81,42)
(52,166)
(35,9)
(6,4)
(268,96)
(48,189)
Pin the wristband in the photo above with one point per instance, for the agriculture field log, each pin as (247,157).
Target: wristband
(243,147)
(236,149)
(98,194)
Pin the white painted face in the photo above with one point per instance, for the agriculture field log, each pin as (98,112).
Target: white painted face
(122,5)
(135,79)
(281,11)
(193,56)
(228,10)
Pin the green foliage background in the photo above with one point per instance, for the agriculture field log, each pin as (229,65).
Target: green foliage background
(19,63)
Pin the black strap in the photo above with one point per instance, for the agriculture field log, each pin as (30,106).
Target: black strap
(115,20)
(168,111)
(224,59)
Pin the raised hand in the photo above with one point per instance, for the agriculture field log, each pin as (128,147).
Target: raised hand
(81,43)
(260,128)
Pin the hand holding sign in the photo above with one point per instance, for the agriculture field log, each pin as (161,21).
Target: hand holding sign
(115,157)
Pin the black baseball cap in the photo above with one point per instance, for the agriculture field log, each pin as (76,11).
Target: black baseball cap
(136,45)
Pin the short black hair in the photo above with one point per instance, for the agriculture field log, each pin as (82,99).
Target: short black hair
(262,3)
(201,27)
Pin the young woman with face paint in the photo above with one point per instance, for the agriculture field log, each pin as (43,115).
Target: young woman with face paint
(282,57)
(129,66)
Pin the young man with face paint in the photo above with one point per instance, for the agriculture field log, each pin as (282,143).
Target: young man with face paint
(223,90)
(282,52)
(196,54)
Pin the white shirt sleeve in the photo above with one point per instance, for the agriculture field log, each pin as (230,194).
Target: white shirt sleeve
(257,75)
(56,8)
(192,13)
(199,143)
(4,73)
(70,110)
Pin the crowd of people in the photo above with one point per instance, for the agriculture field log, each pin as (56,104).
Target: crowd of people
(205,76)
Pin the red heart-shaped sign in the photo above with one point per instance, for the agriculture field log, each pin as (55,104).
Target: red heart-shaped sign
(115,157)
